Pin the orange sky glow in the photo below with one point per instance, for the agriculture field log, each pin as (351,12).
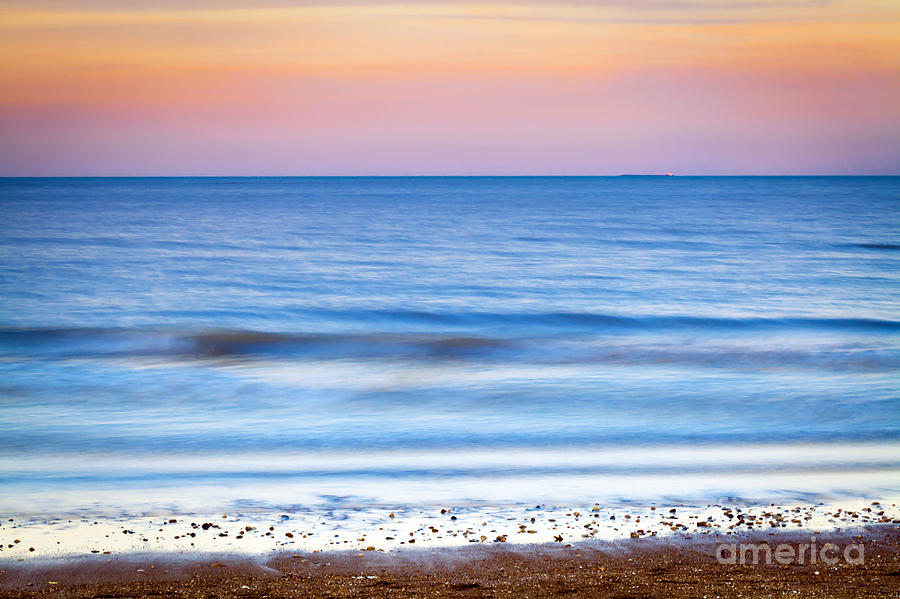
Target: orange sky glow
(438,87)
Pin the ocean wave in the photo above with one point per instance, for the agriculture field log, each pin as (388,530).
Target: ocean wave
(768,343)
(77,342)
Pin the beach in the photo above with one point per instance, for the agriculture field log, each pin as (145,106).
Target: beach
(674,567)
(673,551)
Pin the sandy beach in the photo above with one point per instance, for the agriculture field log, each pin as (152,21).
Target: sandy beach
(590,551)
(683,566)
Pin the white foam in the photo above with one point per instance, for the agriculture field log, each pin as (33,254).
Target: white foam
(381,529)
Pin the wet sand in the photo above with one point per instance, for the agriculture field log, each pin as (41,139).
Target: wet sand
(642,567)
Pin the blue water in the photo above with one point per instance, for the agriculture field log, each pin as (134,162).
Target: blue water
(247,333)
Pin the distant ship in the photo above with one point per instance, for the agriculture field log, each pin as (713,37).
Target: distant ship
(647,175)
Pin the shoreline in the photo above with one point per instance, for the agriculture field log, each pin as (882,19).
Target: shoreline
(589,550)
(382,529)
(680,566)
(584,550)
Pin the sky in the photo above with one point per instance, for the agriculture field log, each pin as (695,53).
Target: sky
(439,87)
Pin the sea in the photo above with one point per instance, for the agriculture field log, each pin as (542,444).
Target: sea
(258,343)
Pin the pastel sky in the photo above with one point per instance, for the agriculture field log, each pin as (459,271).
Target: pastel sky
(231,87)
